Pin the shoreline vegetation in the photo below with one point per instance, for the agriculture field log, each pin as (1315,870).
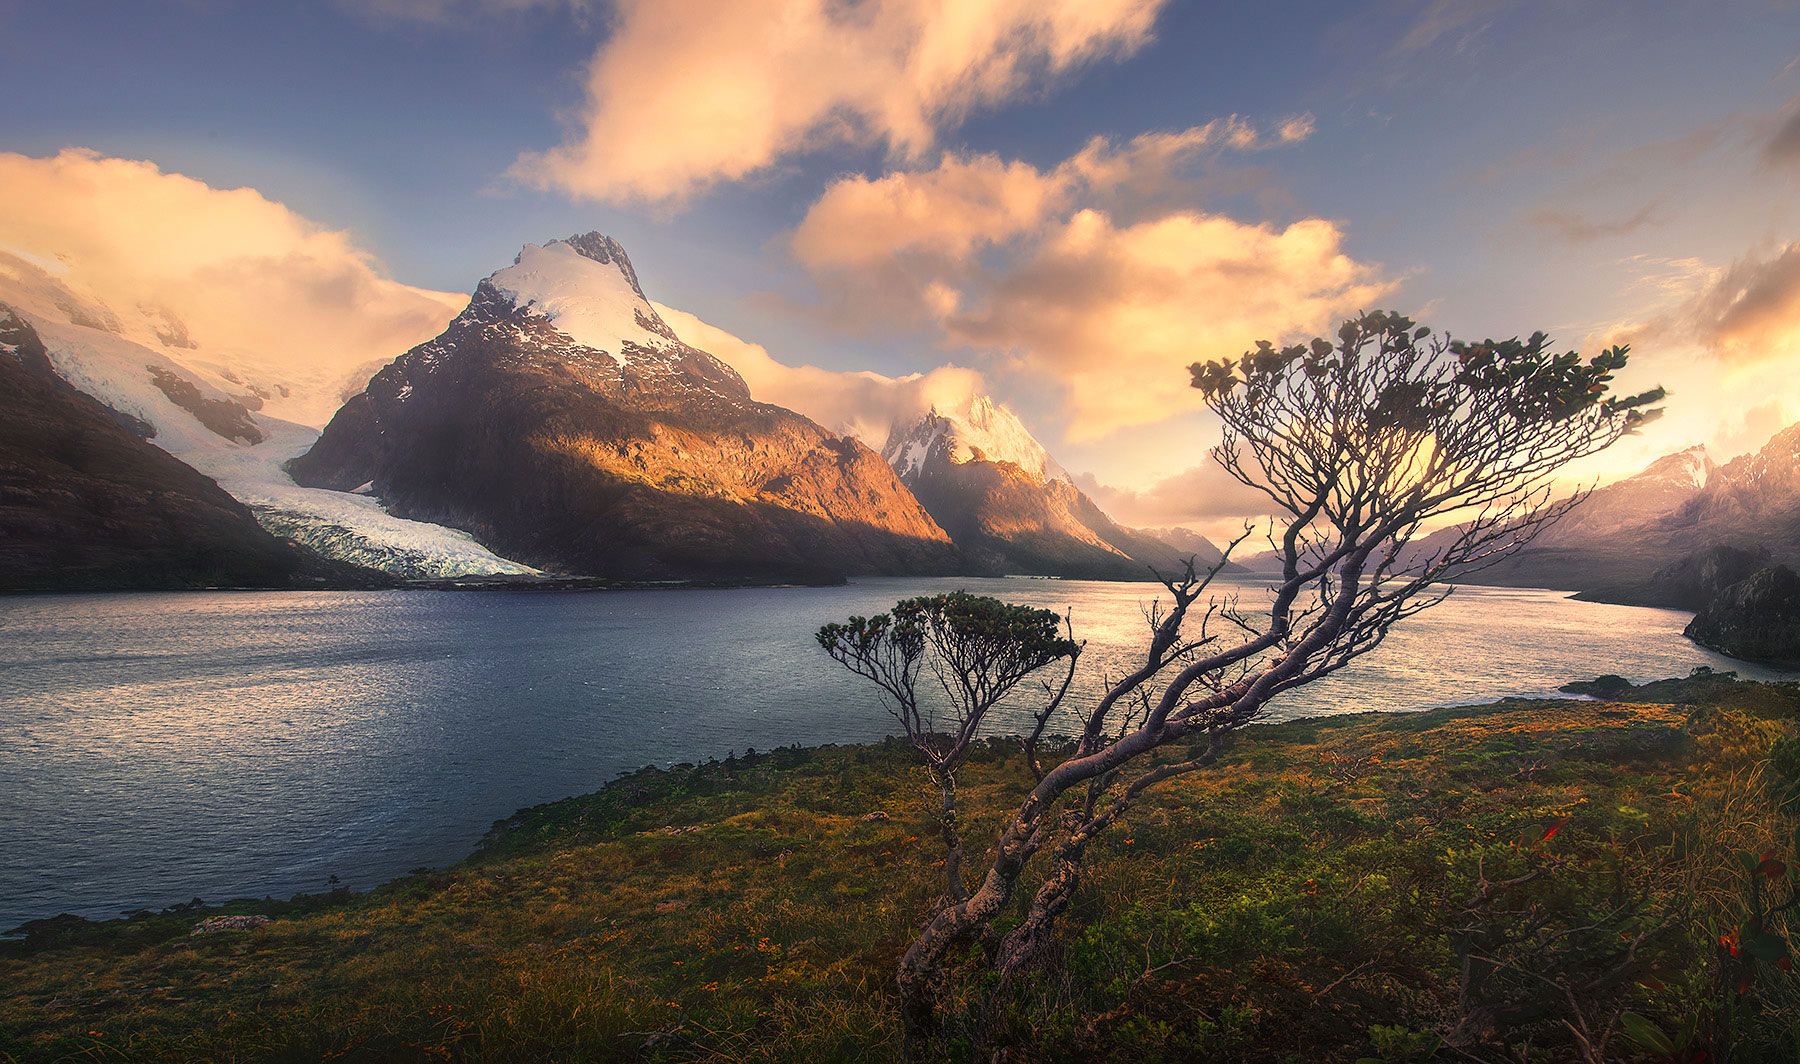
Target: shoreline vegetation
(1315,896)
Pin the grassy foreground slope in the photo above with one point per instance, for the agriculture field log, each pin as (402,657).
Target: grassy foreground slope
(1306,899)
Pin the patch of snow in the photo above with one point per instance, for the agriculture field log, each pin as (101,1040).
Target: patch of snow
(1697,466)
(914,458)
(590,302)
(117,372)
(1002,437)
(51,266)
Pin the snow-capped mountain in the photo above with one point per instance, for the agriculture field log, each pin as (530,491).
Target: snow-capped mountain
(980,431)
(586,287)
(141,366)
(1188,542)
(1009,505)
(561,420)
(1761,490)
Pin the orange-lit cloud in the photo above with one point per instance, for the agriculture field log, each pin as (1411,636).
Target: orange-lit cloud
(688,93)
(260,291)
(1745,314)
(1723,340)
(1017,264)
(1116,313)
(966,203)
(1203,497)
(1752,313)
(864,405)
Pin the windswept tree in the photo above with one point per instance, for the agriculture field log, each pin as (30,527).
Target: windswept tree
(978,650)
(1359,445)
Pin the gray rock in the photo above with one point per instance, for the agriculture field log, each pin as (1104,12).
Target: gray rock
(1756,619)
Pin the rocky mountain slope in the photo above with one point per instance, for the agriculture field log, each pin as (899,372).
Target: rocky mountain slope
(1694,581)
(562,422)
(1663,487)
(86,503)
(1187,542)
(1597,548)
(1010,507)
(1644,540)
(1756,618)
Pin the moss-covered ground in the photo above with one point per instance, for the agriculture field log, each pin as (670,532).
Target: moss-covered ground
(1306,899)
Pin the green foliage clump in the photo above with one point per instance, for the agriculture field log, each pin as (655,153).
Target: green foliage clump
(1784,760)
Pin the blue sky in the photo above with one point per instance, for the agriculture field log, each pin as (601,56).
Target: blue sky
(1596,169)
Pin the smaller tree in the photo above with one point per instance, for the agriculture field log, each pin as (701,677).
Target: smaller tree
(978,649)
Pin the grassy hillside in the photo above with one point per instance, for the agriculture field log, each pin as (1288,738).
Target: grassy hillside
(1308,899)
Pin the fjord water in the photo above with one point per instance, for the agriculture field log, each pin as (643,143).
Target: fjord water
(159,747)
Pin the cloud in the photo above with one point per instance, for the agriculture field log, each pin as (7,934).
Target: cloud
(688,93)
(1784,146)
(1752,312)
(259,290)
(1203,495)
(1574,228)
(444,12)
(1466,20)
(949,212)
(1747,429)
(1014,263)
(1743,315)
(966,203)
(864,405)
(1116,313)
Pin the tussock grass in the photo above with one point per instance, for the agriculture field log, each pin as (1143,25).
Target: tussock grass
(1275,907)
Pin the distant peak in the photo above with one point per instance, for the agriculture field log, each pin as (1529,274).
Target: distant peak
(587,288)
(1685,456)
(605,250)
(976,429)
(596,247)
